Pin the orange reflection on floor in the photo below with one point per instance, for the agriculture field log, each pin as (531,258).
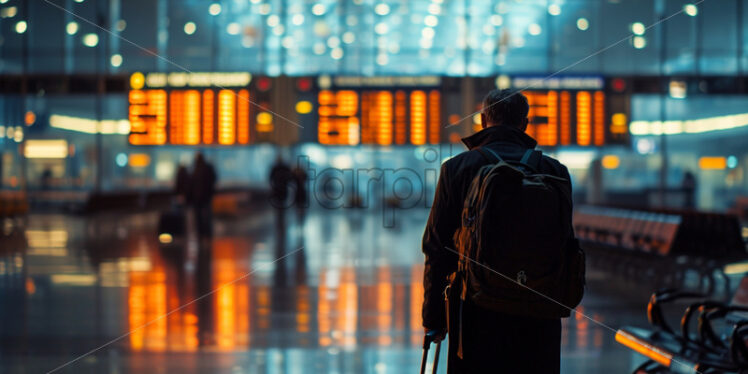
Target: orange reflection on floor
(384,305)
(232,297)
(324,309)
(303,309)
(157,315)
(416,302)
(337,313)
(147,306)
(262,298)
(400,312)
(181,320)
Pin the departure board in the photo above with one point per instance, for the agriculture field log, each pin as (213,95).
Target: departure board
(568,110)
(379,117)
(567,117)
(190,117)
(174,109)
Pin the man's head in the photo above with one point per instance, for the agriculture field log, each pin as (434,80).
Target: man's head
(505,108)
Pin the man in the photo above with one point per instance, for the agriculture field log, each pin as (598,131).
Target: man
(201,196)
(490,341)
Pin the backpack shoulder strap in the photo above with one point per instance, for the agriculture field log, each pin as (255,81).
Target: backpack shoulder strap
(532,158)
(485,151)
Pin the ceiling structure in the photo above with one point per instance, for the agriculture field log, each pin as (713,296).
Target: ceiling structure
(374,37)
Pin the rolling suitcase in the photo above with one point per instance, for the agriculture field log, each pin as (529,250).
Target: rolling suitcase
(427,340)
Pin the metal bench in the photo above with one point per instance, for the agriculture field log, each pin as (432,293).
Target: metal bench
(718,344)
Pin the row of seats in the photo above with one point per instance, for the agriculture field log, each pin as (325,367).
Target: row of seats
(627,229)
(712,338)
(13,203)
(662,233)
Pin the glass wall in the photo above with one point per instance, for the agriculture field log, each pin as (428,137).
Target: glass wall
(367,37)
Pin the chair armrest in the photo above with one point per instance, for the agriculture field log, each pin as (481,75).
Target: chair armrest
(701,306)
(654,307)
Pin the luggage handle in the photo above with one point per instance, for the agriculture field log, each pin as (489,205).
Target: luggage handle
(427,340)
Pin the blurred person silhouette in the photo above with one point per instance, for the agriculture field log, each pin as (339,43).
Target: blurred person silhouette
(45,185)
(301,199)
(281,178)
(46,178)
(688,185)
(202,189)
(182,185)
(498,236)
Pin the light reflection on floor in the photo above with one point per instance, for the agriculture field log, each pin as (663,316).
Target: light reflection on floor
(344,297)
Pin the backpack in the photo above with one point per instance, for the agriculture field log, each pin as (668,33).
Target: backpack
(516,242)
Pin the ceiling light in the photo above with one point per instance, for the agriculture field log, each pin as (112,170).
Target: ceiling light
(583,24)
(190,28)
(382,9)
(90,40)
(691,9)
(214,9)
(116,60)
(71,28)
(638,28)
(21,27)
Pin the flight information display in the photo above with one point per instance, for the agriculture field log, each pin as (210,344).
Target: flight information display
(189,117)
(225,109)
(566,117)
(574,111)
(381,117)
(380,111)
(160,114)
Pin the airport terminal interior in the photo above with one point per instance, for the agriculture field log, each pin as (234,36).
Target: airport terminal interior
(242,186)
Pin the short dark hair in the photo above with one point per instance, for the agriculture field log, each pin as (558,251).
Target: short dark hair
(505,107)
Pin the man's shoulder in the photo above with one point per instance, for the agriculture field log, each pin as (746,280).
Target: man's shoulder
(551,160)
(463,158)
(553,166)
(471,159)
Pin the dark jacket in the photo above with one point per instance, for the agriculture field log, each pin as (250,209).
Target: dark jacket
(444,220)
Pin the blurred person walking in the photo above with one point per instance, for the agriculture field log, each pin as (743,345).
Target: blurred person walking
(281,178)
(301,200)
(688,185)
(500,249)
(202,189)
(182,185)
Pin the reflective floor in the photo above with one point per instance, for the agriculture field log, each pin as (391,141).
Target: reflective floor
(336,291)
